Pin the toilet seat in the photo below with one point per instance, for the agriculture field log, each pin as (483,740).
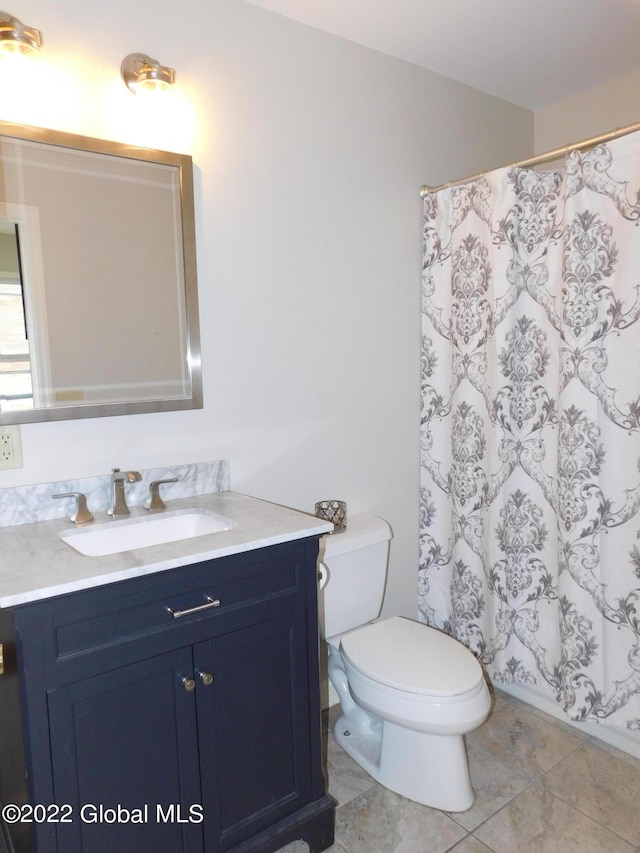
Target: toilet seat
(404,655)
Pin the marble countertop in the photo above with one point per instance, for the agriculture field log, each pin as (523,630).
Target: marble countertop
(36,564)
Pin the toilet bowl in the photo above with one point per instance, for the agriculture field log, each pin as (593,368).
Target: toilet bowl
(408,693)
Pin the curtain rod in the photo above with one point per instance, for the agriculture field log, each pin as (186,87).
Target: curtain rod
(541,158)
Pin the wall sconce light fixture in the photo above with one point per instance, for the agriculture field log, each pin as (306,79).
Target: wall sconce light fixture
(141,72)
(15,37)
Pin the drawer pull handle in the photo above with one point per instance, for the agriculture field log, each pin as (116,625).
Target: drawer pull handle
(211,602)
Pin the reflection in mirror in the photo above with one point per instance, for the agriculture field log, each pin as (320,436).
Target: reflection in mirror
(16,389)
(98,294)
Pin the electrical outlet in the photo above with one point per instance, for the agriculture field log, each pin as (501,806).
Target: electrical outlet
(10,447)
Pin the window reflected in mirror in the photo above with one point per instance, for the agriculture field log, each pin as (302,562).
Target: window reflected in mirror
(16,387)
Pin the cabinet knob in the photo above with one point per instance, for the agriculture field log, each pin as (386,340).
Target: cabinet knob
(7,661)
(188,683)
(206,678)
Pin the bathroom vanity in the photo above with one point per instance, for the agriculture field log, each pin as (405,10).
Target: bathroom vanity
(164,699)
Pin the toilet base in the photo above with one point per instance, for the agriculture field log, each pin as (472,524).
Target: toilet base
(429,769)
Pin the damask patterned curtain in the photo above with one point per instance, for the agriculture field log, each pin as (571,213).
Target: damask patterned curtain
(530,437)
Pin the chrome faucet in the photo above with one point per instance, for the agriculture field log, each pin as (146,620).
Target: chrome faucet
(118,500)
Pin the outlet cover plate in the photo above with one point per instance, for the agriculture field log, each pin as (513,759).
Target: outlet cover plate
(10,447)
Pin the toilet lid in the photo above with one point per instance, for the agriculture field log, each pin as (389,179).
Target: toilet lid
(412,657)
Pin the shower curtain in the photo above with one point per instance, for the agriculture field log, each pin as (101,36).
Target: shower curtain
(530,428)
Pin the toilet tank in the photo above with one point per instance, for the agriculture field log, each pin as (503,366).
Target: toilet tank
(356,561)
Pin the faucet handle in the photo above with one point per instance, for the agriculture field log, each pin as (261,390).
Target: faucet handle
(82,514)
(154,501)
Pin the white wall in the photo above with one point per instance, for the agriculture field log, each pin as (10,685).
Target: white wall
(588,114)
(309,153)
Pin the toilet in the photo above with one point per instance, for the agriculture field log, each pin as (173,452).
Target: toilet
(408,693)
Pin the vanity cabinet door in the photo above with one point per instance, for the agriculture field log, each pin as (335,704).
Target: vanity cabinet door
(253,728)
(125,741)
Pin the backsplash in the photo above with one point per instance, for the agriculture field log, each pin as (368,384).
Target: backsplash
(24,504)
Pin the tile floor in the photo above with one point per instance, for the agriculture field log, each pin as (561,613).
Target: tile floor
(540,788)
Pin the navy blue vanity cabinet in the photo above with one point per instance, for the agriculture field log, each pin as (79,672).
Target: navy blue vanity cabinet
(178,711)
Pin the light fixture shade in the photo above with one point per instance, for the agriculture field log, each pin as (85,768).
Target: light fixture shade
(141,72)
(15,37)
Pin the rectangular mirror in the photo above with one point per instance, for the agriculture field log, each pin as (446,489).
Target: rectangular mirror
(98,286)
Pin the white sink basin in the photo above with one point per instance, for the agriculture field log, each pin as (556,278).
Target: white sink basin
(131,533)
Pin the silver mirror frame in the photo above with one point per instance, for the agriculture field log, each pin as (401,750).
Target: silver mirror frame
(185,166)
